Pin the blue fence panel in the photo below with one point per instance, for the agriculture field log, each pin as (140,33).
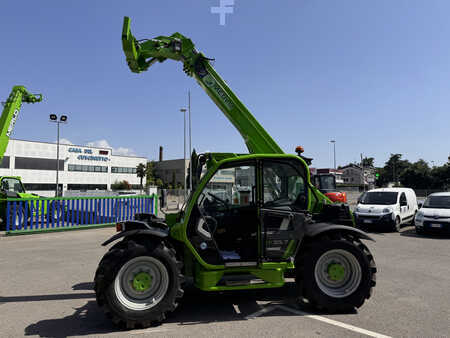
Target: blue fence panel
(48,213)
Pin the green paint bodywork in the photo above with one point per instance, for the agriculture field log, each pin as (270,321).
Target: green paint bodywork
(142,54)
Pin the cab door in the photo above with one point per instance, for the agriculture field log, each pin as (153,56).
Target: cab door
(284,199)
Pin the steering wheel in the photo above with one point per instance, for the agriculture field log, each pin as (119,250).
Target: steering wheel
(218,199)
(206,226)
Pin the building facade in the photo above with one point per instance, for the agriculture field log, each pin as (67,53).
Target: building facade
(353,174)
(80,167)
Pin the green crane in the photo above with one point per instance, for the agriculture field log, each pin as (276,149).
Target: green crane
(11,186)
(251,220)
(11,110)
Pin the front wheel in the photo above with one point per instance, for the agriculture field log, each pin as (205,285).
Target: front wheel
(336,274)
(397,225)
(137,284)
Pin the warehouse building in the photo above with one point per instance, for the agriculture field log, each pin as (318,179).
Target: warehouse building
(80,167)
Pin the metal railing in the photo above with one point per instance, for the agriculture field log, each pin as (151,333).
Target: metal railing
(43,214)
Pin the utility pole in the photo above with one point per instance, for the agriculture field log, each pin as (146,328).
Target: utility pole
(183,110)
(62,119)
(190,142)
(334,154)
(362,173)
(393,168)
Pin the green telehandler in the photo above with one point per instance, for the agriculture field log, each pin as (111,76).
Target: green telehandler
(250,221)
(11,186)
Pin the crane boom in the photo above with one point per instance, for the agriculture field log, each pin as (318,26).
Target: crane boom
(10,113)
(141,54)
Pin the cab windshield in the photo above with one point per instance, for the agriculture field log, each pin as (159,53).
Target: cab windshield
(327,182)
(438,202)
(12,185)
(379,197)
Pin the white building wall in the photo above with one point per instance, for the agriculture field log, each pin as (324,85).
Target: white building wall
(71,155)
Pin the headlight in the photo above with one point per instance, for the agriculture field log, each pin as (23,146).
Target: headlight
(419,216)
(387,210)
(357,210)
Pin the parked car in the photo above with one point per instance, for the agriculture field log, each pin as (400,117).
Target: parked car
(390,207)
(434,214)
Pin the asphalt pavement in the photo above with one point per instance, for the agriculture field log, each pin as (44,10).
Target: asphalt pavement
(46,291)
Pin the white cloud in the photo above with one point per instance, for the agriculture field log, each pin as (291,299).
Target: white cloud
(115,151)
(65,141)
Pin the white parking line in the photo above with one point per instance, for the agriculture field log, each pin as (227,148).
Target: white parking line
(270,308)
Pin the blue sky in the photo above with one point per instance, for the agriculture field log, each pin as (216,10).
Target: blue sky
(374,75)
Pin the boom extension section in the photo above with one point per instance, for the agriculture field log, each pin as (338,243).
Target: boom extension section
(11,111)
(141,54)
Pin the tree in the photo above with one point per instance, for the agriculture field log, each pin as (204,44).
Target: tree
(141,172)
(394,167)
(174,182)
(440,177)
(417,176)
(368,161)
(150,173)
(122,185)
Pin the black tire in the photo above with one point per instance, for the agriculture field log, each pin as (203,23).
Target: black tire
(108,280)
(413,221)
(354,290)
(397,225)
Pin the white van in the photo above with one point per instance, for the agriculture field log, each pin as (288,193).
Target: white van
(386,206)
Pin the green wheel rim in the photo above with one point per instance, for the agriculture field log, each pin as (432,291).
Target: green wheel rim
(336,272)
(142,282)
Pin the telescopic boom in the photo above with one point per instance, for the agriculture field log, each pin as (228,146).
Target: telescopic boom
(141,54)
(10,113)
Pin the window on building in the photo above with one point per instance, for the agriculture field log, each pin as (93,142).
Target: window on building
(123,170)
(41,186)
(38,163)
(5,162)
(87,168)
(87,187)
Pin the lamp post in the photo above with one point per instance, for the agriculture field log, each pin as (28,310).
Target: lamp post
(183,110)
(190,141)
(334,152)
(62,119)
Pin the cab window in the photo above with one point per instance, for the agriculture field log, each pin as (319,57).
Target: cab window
(283,185)
(12,185)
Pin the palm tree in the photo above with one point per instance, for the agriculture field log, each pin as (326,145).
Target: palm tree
(140,172)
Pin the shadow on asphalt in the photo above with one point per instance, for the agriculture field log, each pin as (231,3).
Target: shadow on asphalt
(412,233)
(196,307)
(86,320)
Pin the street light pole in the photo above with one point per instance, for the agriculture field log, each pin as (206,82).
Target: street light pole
(62,119)
(190,142)
(334,152)
(57,162)
(183,110)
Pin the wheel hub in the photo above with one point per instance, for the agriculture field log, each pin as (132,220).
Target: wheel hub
(142,282)
(336,272)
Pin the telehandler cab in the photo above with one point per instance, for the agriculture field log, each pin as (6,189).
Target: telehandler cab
(268,222)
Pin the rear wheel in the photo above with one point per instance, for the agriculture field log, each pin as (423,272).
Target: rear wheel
(138,284)
(336,274)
